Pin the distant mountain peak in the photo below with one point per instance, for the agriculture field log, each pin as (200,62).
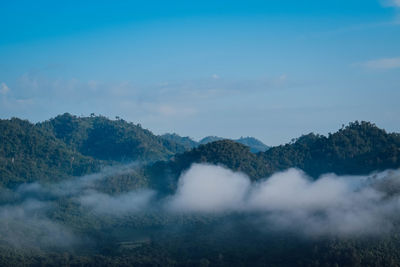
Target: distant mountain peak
(254,144)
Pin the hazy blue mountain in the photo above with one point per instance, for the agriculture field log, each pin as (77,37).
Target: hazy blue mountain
(254,144)
(209,139)
(186,141)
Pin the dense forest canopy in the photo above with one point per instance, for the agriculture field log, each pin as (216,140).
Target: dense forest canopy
(102,138)
(91,191)
(358,148)
(68,145)
(29,153)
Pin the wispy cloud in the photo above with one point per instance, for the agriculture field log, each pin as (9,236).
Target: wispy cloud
(215,76)
(330,205)
(391,3)
(4,89)
(383,63)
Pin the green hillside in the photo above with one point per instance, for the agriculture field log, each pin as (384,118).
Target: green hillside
(102,138)
(29,153)
(227,153)
(186,142)
(71,146)
(359,148)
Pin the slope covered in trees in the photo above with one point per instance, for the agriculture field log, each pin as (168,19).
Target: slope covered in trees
(359,148)
(29,153)
(254,144)
(230,154)
(186,141)
(102,138)
(54,150)
(73,146)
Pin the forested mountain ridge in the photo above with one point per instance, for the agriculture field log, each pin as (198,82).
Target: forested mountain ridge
(186,141)
(102,138)
(29,153)
(228,153)
(359,148)
(102,215)
(254,144)
(68,145)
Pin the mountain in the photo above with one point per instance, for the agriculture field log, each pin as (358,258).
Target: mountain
(359,148)
(235,156)
(29,153)
(209,139)
(188,143)
(68,145)
(254,144)
(81,226)
(105,139)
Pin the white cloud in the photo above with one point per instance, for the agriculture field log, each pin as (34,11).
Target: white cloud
(391,3)
(283,77)
(122,204)
(291,200)
(215,76)
(383,63)
(4,89)
(207,188)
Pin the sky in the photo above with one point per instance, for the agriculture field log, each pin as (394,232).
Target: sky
(270,69)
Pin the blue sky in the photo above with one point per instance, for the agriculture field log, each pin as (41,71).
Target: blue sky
(269,69)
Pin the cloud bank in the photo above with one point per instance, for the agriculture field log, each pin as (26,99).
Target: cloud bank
(290,200)
(207,188)
(122,204)
(25,225)
(287,201)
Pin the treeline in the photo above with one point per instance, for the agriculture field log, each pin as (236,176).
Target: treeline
(29,153)
(105,139)
(254,144)
(73,146)
(359,148)
(68,145)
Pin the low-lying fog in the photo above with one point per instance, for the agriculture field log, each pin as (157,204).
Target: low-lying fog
(330,205)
